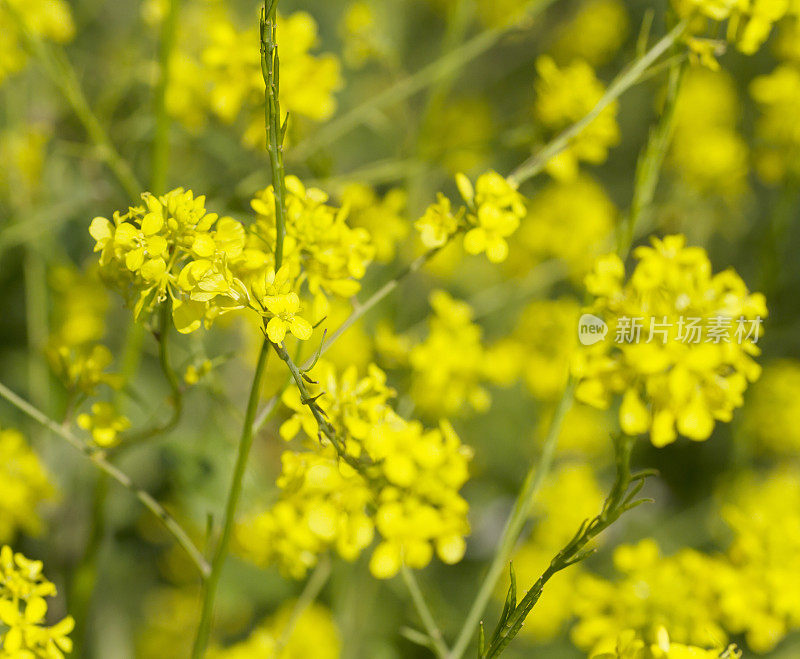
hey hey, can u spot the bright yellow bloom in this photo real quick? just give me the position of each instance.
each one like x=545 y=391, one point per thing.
x=677 y=592
x=629 y=646
x=104 y=423
x=23 y=589
x=216 y=70
x=680 y=342
x=494 y=210
x=438 y=223
x=24 y=486
x=565 y=95
x=46 y=19
x=407 y=490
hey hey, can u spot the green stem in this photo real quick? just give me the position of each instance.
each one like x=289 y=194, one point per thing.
x=99 y=460
x=270 y=69
x=63 y=76
x=624 y=81
x=160 y=157
x=514 y=525
x=434 y=633
x=234 y=494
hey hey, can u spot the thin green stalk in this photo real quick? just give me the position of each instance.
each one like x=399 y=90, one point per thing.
x=441 y=68
x=314 y=585
x=514 y=525
x=624 y=81
x=651 y=160
x=270 y=70
x=234 y=494
x=270 y=67
x=62 y=75
x=159 y=166
x=434 y=633
x=99 y=460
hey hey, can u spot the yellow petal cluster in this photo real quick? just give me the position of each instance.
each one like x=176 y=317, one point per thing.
x=24 y=486
x=407 y=489
x=492 y=213
x=23 y=589
x=564 y=95
x=672 y=380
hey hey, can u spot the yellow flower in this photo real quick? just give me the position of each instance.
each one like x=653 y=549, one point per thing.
x=24 y=486
x=23 y=589
x=594 y=34
x=565 y=95
x=382 y=217
x=495 y=209
x=671 y=375
x=104 y=423
x=437 y=224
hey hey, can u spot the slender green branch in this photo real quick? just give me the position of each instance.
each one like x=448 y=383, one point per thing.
x=434 y=633
x=98 y=458
x=314 y=585
x=234 y=494
x=514 y=524
x=62 y=75
x=444 y=66
x=621 y=499
x=159 y=166
x=624 y=81
x=651 y=160
x=270 y=69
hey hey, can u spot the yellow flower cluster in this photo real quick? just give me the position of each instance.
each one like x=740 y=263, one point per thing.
x=564 y=95
x=22 y=150
x=45 y=19
x=449 y=367
x=216 y=69
x=778 y=97
x=23 y=589
x=314 y=635
x=758 y=588
x=407 y=486
x=771 y=418
x=493 y=212
x=104 y=423
x=669 y=374
x=677 y=592
x=24 y=485
x=708 y=153
x=173 y=249
x=568 y=220
x=749 y=23
x=629 y=646
x=750 y=590
x=320 y=248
